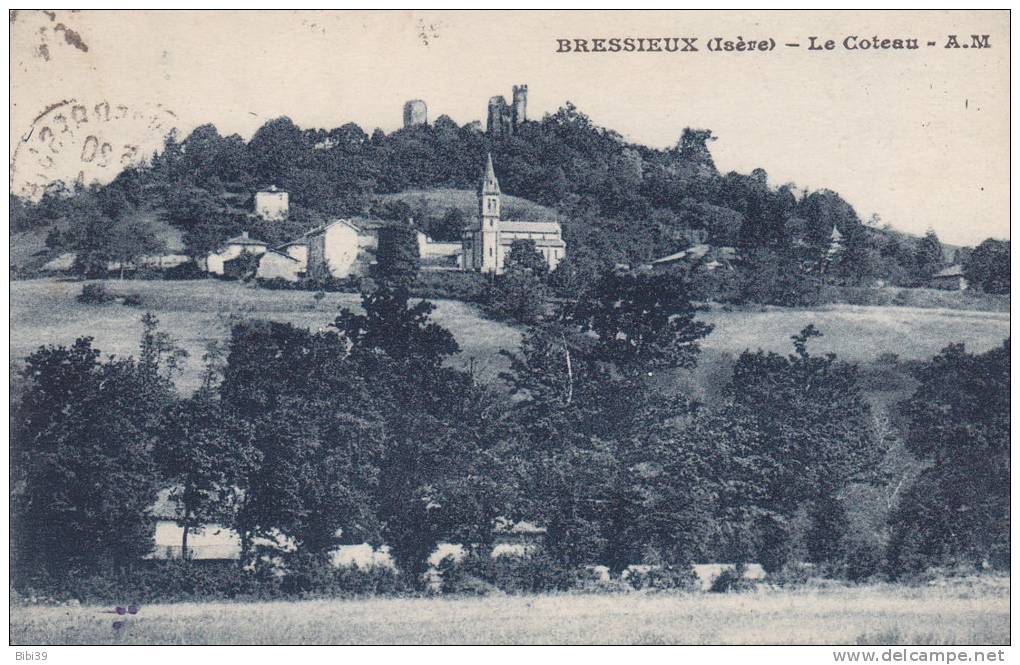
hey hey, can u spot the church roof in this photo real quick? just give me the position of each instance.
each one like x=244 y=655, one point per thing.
x=489 y=183
x=529 y=227
x=539 y=242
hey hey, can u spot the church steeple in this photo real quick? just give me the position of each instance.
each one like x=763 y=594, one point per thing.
x=489 y=183
x=488 y=220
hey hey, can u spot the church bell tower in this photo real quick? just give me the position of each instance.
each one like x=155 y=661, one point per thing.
x=488 y=216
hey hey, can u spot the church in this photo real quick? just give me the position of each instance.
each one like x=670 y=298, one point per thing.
x=487 y=242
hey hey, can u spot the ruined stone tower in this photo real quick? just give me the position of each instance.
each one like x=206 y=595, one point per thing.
x=520 y=105
x=415 y=113
x=499 y=123
x=504 y=119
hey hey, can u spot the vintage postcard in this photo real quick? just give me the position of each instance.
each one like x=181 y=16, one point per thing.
x=511 y=327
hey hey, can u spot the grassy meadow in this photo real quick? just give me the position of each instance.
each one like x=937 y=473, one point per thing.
x=972 y=612
x=44 y=311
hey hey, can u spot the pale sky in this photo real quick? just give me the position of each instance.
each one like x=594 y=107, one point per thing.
x=920 y=137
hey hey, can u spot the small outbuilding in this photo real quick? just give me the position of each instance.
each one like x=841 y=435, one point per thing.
x=950 y=279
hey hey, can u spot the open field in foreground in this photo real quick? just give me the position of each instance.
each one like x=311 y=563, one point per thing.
x=882 y=614
x=196 y=312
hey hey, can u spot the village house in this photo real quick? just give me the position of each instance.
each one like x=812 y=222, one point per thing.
x=437 y=254
x=707 y=256
x=272 y=205
x=950 y=279
x=275 y=264
x=231 y=249
x=486 y=244
x=333 y=250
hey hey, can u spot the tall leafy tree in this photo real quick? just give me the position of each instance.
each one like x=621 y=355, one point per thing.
x=82 y=462
x=315 y=437
x=812 y=434
x=437 y=466
x=987 y=267
x=959 y=509
x=928 y=257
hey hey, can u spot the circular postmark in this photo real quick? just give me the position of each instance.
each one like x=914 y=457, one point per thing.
x=75 y=141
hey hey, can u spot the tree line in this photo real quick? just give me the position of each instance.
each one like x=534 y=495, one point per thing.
x=620 y=202
x=302 y=441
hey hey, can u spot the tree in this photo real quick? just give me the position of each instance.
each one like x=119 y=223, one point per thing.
x=958 y=509
x=642 y=320
x=315 y=435
x=519 y=295
x=811 y=433
x=206 y=454
x=987 y=267
x=397 y=258
x=524 y=255
x=450 y=226
x=131 y=239
x=928 y=258
x=437 y=469
x=83 y=470
x=606 y=474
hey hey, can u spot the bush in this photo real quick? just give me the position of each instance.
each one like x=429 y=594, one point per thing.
x=861 y=561
x=732 y=580
x=533 y=573
x=132 y=300
x=189 y=270
x=465 y=286
x=95 y=294
x=460 y=579
x=176 y=580
x=243 y=267
x=519 y=295
x=662 y=578
x=794 y=574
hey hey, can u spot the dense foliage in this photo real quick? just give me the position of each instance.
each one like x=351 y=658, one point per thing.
x=619 y=202
x=958 y=509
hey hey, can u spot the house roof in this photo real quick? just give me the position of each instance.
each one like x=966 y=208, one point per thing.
x=698 y=252
x=322 y=229
x=243 y=239
x=539 y=242
x=282 y=255
x=292 y=243
x=529 y=227
x=951 y=271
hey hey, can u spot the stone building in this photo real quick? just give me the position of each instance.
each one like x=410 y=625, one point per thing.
x=231 y=249
x=274 y=264
x=272 y=204
x=949 y=279
x=415 y=113
x=486 y=244
x=333 y=250
x=504 y=119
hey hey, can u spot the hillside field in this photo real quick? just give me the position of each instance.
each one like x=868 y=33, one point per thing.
x=45 y=311
x=967 y=612
x=438 y=201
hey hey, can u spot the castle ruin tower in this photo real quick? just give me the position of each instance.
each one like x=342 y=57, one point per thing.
x=498 y=124
x=488 y=217
x=519 y=113
x=415 y=113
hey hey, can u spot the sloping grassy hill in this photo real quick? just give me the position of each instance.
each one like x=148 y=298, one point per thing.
x=29 y=251
x=45 y=311
x=441 y=200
